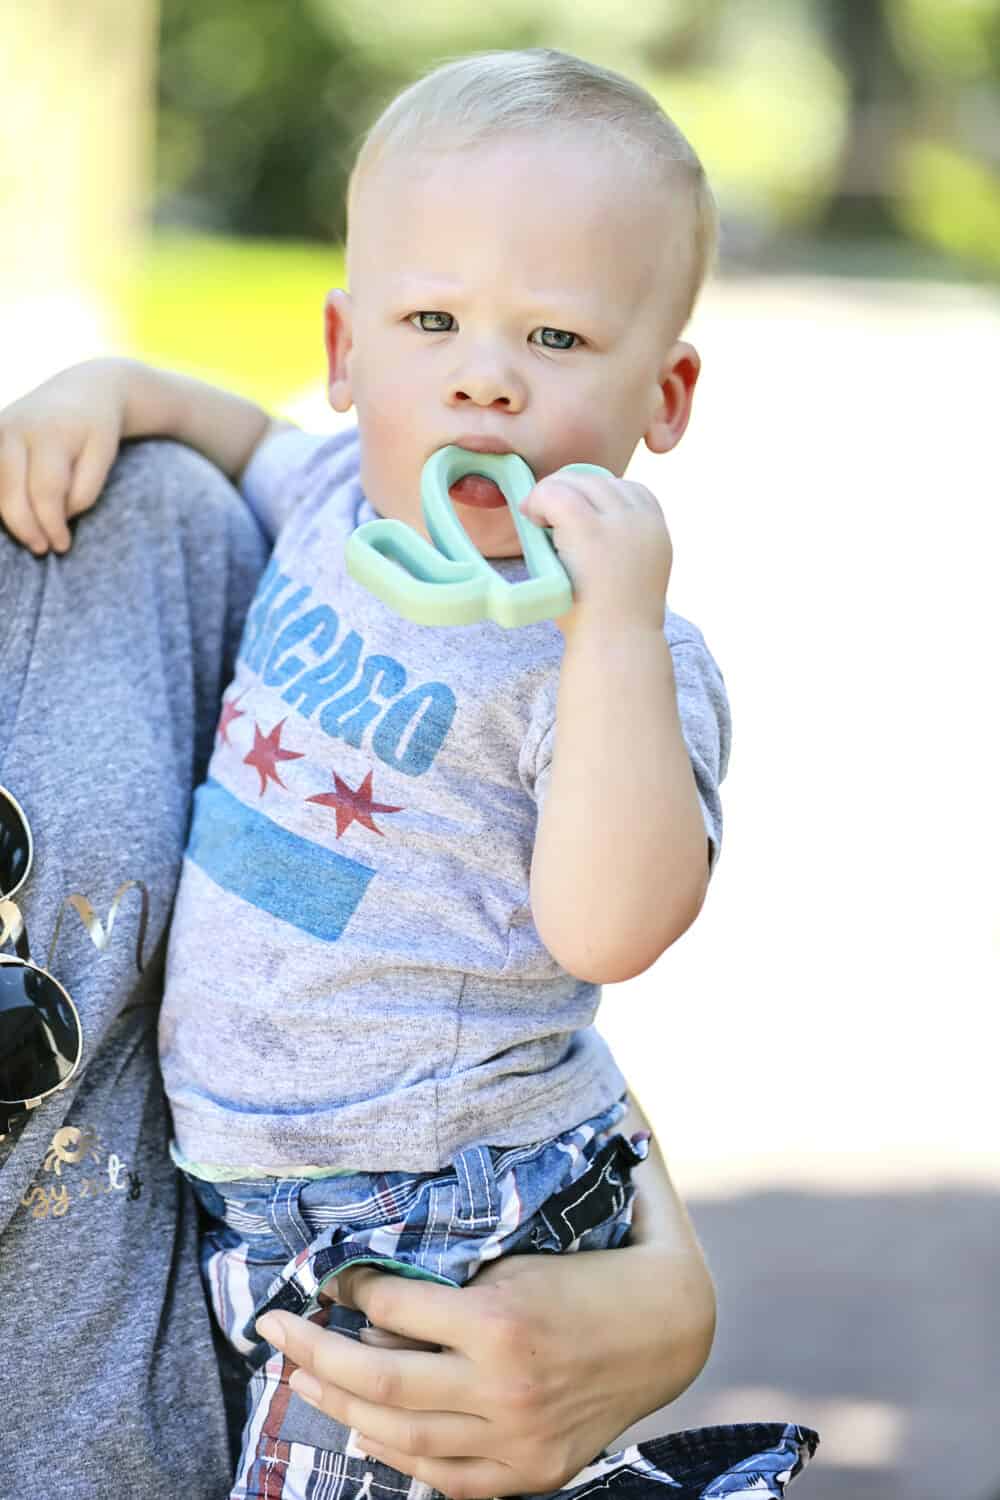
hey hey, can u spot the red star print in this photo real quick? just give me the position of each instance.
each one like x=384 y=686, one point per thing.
x=266 y=753
x=229 y=713
x=351 y=805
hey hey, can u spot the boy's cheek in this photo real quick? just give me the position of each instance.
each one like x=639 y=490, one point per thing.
x=391 y=463
x=578 y=440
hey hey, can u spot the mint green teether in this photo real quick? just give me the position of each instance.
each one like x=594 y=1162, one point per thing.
x=451 y=583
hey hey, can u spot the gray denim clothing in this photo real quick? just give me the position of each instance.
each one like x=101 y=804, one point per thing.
x=112 y=662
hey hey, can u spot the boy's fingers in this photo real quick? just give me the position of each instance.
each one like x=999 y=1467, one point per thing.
x=48 y=493
x=558 y=498
x=20 y=521
x=15 y=508
x=602 y=492
x=12 y=467
x=90 y=472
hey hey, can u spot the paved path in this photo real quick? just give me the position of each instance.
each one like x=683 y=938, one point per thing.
x=835 y=1013
x=873 y=1318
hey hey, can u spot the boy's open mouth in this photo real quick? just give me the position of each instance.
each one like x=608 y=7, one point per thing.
x=476 y=490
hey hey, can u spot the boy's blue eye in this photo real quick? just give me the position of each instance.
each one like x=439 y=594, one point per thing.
x=433 y=322
x=554 y=338
x=443 y=322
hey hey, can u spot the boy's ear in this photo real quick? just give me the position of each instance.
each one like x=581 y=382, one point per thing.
x=677 y=379
x=338 y=324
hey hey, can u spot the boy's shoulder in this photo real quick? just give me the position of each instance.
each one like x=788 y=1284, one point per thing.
x=682 y=632
x=292 y=468
x=696 y=670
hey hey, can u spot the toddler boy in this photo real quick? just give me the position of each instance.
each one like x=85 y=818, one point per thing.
x=420 y=851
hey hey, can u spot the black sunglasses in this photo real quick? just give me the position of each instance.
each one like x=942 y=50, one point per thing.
x=41 y=1040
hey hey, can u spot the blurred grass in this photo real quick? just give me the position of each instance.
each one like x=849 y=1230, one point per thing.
x=246 y=314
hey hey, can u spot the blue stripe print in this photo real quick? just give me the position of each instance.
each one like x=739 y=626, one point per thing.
x=297 y=881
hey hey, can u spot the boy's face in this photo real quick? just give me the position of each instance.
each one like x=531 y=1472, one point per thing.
x=518 y=297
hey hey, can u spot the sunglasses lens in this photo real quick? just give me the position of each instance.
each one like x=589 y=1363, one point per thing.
x=39 y=1034
x=15 y=846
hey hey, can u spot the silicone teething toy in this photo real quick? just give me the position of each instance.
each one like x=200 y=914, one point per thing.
x=451 y=583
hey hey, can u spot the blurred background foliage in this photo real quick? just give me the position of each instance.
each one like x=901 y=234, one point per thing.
x=854 y=135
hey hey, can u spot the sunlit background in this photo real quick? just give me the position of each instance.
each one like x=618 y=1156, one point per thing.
x=819 y=1055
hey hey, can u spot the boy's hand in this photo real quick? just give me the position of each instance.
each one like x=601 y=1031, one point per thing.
x=613 y=541
x=56 y=447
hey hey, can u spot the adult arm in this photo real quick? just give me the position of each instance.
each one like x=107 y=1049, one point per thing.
x=58 y=442
x=543 y=1360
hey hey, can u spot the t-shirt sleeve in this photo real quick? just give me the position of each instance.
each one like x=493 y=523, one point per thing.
x=284 y=469
x=705 y=724
x=705 y=720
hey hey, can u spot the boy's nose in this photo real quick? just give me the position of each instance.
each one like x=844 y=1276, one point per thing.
x=486 y=382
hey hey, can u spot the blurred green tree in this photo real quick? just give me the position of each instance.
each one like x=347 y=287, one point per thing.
x=260 y=106
x=880 y=100
x=922 y=105
x=856 y=118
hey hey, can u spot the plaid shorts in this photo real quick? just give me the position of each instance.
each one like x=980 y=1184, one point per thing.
x=270 y=1244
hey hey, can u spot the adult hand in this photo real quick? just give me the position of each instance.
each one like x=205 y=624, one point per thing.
x=544 y=1360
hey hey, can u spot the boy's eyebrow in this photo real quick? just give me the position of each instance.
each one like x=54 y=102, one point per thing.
x=451 y=287
x=424 y=279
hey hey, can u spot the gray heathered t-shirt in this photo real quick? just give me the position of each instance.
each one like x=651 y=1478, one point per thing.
x=354 y=977
x=112 y=662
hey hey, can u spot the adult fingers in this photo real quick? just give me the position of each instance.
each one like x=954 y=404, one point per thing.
x=417 y=1434
x=381 y=1338
x=422 y=1310
x=459 y=1478
x=386 y=1377
x=48 y=492
x=15 y=506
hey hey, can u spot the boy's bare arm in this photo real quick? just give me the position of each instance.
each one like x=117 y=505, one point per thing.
x=620 y=863
x=58 y=442
x=225 y=427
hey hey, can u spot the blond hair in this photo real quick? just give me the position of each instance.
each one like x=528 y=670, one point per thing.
x=473 y=100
